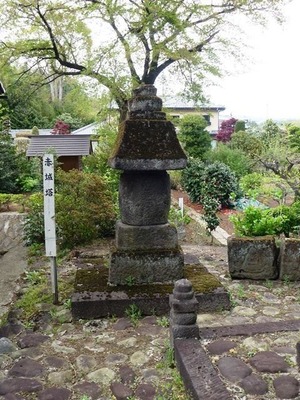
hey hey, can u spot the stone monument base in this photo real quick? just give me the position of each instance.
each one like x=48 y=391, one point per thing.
x=95 y=298
x=147 y=266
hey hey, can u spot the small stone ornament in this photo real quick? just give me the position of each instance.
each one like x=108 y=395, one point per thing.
x=184 y=307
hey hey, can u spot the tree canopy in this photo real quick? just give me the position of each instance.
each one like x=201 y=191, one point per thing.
x=123 y=43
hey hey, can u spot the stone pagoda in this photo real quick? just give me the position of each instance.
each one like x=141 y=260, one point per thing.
x=147 y=248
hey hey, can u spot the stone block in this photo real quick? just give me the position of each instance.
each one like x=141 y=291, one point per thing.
x=184 y=332
x=183 y=306
x=252 y=257
x=145 y=266
x=144 y=197
x=184 y=318
x=289 y=259
x=130 y=237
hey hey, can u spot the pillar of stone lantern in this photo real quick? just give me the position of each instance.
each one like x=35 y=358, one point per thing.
x=147 y=248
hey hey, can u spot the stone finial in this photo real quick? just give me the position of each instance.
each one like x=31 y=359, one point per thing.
x=146 y=140
x=184 y=307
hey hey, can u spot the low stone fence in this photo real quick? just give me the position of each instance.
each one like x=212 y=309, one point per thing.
x=264 y=257
x=11 y=230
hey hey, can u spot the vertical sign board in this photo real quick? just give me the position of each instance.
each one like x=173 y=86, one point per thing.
x=49 y=205
x=49 y=219
x=180 y=203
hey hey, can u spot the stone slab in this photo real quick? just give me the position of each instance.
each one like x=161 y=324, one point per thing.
x=252 y=258
x=145 y=266
x=249 y=329
x=94 y=305
x=200 y=378
x=289 y=259
x=156 y=237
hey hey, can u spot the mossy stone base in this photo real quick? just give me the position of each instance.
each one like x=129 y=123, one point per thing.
x=147 y=266
x=95 y=298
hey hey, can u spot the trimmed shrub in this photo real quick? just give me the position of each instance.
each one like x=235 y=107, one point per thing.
x=84 y=210
x=192 y=178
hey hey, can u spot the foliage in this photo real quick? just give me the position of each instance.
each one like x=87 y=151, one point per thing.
x=192 y=178
x=97 y=162
x=215 y=180
x=8 y=165
x=239 y=126
x=35 y=131
x=36 y=294
x=85 y=210
x=175 y=179
x=7 y=199
x=34 y=221
x=259 y=222
x=61 y=128
x=134 y=314
x=29 y=107
x=294 y=136
x=219 y=183
x=212 y=186
x=177 y=218
x=264 y=187
x=269 y=132
x=188 y=38
x=226 y=130
x=235 y=159
x=210 y=207
x=247 y=143
x=72 y=122
x=281 y=160
x=195 y=138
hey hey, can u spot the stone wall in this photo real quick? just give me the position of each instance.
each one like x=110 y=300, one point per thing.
x=11 y=230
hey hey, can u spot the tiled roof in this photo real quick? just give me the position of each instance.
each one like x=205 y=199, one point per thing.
x=63 y=145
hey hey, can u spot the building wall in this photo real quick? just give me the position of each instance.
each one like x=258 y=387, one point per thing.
x=212 y=114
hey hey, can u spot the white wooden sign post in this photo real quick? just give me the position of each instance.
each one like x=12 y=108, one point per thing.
x=49 y=219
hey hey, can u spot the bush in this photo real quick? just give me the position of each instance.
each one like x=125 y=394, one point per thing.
x=235 y=159
x=220 y=183
x=260 y=222
x=247 y=143
x=215 y=180
x=84 y=210
x=34 y=221
x=192 y=178
x=195 y=138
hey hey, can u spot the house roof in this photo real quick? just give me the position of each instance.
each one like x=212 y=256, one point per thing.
x=87 y=129
x=177 y=104
x=63 y=145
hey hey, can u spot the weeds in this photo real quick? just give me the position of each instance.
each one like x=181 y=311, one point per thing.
x=269 y=284
x=33 y=277
x=163 y=321
x=134 y=314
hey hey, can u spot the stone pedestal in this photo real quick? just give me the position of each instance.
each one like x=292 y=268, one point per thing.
x=147 y=248
x=252 y=257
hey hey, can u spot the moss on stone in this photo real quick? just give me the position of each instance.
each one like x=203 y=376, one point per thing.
x=95 y=279
x=147 y=139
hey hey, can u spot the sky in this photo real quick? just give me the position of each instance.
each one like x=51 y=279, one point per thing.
x=269 y=86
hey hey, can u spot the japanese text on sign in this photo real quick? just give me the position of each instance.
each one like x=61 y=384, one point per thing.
x=49 y=205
